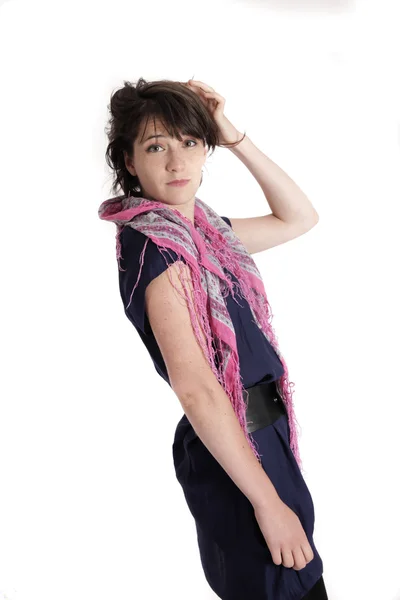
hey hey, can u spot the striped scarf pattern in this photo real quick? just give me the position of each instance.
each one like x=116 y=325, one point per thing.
x=208 y=246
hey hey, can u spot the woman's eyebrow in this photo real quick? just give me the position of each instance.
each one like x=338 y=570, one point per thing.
x=157 y=135
x=153 y=136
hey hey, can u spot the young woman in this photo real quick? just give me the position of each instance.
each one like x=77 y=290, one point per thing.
x=198 y=302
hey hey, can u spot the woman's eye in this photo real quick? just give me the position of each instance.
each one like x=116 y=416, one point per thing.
x=158 y=145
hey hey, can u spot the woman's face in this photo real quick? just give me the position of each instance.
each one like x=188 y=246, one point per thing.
x=159 y=160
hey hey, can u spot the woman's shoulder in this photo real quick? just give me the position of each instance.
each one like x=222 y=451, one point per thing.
x=130 y=235
x=133 y=241
x=227 y=221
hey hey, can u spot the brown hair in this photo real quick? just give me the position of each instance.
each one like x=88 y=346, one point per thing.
x=178 y=108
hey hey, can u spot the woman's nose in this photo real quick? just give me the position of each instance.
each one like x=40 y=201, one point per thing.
x=175 y=160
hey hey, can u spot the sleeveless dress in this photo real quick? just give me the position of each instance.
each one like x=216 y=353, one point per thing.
x=235 y=558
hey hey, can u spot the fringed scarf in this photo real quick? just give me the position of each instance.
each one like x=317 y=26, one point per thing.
x=208 y=246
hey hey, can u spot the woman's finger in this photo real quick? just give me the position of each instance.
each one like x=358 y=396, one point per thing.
x=201 y=84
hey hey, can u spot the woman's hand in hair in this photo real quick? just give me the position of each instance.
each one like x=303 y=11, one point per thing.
x=215 y=105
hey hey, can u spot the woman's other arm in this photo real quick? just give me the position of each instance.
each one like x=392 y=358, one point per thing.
x=203 y=399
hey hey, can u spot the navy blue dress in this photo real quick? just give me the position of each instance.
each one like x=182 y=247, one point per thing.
x=235 y=558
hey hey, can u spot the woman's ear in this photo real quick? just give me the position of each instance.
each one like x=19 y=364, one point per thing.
x=126 y=159
x=129 y=166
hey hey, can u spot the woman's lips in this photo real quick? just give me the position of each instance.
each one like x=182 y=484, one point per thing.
x=179 y=183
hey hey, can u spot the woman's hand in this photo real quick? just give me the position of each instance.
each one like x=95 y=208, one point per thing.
x=284 y=535
x=215 y=105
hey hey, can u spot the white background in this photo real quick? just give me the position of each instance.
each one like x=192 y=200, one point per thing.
x=89 y=504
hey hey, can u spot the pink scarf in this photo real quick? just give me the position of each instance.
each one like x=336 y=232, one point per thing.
x=207 y=247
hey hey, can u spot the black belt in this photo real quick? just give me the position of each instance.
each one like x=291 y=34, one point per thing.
x=265 y=405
